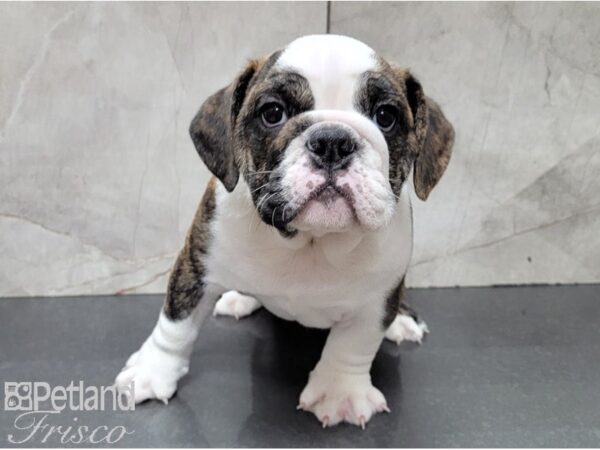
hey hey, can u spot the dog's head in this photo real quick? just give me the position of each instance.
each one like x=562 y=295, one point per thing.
x=324 y=133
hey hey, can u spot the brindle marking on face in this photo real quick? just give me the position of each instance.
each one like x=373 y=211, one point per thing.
x=261 y=148
x=422 y=136
x=212 y=129
x=186 y=283
x=386 y=87
x=268 y=197
x=396 y=304
x=231 y=138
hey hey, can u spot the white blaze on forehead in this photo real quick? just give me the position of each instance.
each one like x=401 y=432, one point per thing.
x=332 y=65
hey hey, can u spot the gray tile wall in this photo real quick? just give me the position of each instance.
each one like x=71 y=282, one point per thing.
x=99 y=181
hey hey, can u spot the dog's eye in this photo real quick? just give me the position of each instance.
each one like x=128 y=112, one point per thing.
x=385 y=117
x=273 y=114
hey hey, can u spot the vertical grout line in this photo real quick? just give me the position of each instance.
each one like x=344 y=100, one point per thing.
x=328 y=24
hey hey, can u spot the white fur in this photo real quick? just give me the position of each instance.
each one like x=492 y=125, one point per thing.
x=340 y=388
x=366 y=178
x=405 y=328
x=164 y=357
x=337 y=281
x=232 y=303
x=334 y=396
x=332 y=65
x=317 y=284
x=161 y=361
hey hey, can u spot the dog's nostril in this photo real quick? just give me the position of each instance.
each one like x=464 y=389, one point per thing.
x=316 y=146
x=346 y=148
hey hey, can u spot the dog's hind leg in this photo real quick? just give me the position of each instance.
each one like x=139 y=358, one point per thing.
x=164 y=357
x=406 y=327
x=232 y=303
x=402 y=322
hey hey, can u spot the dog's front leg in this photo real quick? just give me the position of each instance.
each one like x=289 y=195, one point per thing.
x=339 y=388
x=164 y=357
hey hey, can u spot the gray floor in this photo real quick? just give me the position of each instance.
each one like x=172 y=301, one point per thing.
x=502 y=367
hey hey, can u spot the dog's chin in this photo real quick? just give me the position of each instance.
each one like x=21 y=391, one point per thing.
x=328 y=212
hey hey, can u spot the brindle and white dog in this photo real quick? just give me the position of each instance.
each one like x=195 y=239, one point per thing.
x=313 y=146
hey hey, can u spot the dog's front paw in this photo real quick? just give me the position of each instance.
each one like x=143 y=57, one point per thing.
x=335 y=397
x=154 y=373
x=406 y=328
x=232 y=303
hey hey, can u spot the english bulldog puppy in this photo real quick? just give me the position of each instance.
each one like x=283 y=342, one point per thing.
x=308 y=214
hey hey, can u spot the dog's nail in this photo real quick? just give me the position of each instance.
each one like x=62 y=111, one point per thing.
x=385 y=408
x=325 y=421
x=362 y=422
x=300 y=406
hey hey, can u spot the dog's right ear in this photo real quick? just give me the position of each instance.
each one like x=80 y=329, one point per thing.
x=212 y=127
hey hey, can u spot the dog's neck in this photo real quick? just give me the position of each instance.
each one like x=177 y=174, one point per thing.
x=337 y=246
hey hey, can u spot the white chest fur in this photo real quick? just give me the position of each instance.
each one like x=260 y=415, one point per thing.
x=316 y=281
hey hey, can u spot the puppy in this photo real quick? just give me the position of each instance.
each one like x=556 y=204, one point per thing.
x=308 y=214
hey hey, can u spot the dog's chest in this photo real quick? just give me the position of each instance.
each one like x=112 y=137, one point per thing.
x=317 y=284
x=297 y=285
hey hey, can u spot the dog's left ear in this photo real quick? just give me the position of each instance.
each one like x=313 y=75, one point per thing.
x=435 y=137
x=213 y=126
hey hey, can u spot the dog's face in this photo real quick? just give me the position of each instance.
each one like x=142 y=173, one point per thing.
x=324 y=134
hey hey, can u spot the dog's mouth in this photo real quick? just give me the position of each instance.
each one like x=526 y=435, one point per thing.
x=329 y=207
x=327 y=194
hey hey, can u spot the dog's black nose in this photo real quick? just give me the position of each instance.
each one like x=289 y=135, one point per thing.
x=331 y=146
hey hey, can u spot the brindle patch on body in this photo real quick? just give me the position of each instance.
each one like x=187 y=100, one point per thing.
x=186 y=283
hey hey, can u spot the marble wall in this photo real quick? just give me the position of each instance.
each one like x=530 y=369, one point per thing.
x=521 y=83
x=99 y=180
